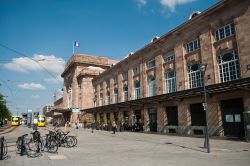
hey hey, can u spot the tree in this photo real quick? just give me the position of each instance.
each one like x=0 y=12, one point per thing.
x=4 y=111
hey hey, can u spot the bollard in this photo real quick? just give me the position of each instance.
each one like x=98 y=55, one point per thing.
x=1 y=150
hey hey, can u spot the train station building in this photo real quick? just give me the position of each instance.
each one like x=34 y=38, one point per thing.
x=160 y=86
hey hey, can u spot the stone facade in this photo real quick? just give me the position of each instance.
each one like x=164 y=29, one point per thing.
x=201 y=40
x=160 y=87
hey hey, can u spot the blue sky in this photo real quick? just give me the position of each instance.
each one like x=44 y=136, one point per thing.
x=44 y=30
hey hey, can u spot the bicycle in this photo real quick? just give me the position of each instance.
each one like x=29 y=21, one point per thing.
x=49 y=143
x=27 y=146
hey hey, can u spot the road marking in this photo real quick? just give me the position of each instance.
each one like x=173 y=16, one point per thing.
x=57 y=157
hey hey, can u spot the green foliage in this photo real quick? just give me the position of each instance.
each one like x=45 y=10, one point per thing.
x=4 y=111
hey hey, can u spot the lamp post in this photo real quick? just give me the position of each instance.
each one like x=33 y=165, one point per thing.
x=206 y=143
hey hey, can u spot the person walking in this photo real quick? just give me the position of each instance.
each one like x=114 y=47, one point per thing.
x=92 y=126
x=113 y=126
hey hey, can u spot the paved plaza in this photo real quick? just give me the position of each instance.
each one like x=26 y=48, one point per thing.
x=102 y=148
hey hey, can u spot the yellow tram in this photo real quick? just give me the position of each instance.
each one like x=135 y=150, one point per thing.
x=15 y=121
x=41 y=121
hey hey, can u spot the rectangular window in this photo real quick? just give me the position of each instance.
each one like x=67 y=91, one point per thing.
x=169 y=56
x=193 y=45
x=125 y=75
x=223 y=32
x=108 y=100
x=195 y=76
x=136 y=70
x=116 y=95
x=125 y=95
x=101 y=99
x=151 y=64
x=170 y=82
x=137 y=93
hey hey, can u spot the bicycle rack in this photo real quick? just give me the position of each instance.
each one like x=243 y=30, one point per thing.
x=2 y=153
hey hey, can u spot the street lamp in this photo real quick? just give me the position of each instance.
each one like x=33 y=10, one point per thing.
x=206 y=143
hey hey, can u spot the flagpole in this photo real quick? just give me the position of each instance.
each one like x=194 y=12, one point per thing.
x=73 y=47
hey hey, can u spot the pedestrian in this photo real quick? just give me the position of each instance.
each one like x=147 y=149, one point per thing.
x=113 y=126
x=76 y=125
x=92 y=127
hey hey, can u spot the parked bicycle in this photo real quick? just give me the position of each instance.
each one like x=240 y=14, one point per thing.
x=27 y=146
x=50 y=143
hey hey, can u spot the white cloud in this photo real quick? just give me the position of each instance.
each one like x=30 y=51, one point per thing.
x=141 y=3
x=35 y=96
x=31 y=86
x=36 y=63
x=56 y=80
x=172 y=3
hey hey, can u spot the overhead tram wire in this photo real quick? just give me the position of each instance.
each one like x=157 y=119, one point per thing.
x=22 y=54
x=11 y=91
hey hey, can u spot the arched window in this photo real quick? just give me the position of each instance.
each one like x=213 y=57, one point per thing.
x=125 y=89
x=137 y=88
x=151 y=86
x=116 y=95
x=195 y=76
x=170 y=82
x=229 y=67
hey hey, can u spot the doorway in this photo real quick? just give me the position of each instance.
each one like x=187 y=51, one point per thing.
x=232 y=117
x=153 y=119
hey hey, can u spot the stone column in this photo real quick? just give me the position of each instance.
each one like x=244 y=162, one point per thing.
x=161 y=113
x=146 y=119
x=242 y=27
x=120 y=88
x=143 y=79
x=159 y=74
x=214 y=117
x=208 y=58
x=180 y=68
x=184 y=119
x=130 y=84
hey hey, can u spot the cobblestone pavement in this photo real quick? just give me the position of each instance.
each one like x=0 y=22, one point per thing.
x=102 y=148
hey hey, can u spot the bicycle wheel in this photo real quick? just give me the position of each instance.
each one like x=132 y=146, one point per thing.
x=52 y=146
x=18 y=145
x=69 y=141
x=5 y=149
x=32 y=149
x=75 y=140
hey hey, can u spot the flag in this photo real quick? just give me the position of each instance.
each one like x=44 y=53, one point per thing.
x=77 y=44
